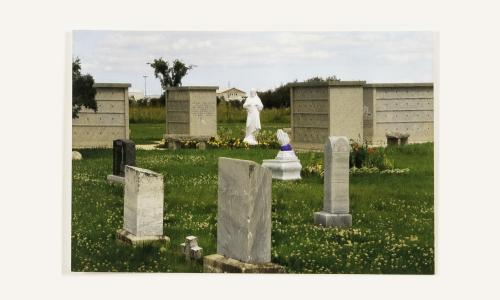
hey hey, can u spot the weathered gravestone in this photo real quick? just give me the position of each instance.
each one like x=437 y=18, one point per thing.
x=336 y=185
x=123 y=155
x=243 y=220
x=143 y=207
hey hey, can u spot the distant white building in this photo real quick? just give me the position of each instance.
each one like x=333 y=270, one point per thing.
x=231 y=94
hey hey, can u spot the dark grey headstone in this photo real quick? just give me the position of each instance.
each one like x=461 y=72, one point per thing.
x=123 y=155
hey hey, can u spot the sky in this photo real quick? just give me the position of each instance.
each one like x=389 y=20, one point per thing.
x=260 y=60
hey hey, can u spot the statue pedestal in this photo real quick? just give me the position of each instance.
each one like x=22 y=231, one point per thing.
x=286 y=166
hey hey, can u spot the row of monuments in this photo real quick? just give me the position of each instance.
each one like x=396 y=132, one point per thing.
x=355 y=109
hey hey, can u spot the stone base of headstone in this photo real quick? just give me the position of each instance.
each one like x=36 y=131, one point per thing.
x=217 y=263
x=283 y=169
x=128 y=238
x=114 y=179
x=327 y=219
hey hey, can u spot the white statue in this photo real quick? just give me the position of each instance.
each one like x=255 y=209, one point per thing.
x=253 y=106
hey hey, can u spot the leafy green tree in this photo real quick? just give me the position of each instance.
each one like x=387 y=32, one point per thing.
x=170 y=74
x=83 y=90
x=321 y=79
x=276 y=98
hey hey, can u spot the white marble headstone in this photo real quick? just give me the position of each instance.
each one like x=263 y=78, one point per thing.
x=244 y=211
x=336 y=180
x=336 y=184
x=143 y=205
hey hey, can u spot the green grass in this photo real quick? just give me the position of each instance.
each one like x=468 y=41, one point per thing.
x=230 y=114
x=225 y=114
x=392 y=231
x=146 y=114
x=146 y=133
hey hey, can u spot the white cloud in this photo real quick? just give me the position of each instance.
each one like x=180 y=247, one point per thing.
x=272 y=57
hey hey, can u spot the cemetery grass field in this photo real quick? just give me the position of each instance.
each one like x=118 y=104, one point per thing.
x=393 y=215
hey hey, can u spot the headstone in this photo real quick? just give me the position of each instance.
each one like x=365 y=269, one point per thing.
x=123 y=155
x=336 y=185
x=286 y=165
x=143 y=207
x=243 y=219
x=191 y=249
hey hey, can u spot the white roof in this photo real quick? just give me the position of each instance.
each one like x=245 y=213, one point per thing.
x=228 y=89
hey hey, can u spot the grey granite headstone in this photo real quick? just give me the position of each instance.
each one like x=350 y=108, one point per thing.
x=123 y=155
x=244 y=211
x=336 y=184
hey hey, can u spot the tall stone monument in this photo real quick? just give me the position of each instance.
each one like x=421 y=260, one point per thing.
x=398 y=112
x=336 y=185
x=98 y=129
x=143 y=208
x=323 y=109
x=191 y=114
x=123 y=155
x=243 y=220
